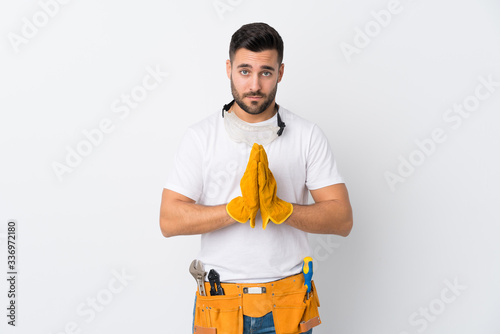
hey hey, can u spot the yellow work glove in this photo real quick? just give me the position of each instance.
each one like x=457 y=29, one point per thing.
x=245 y=207
x=271 y=207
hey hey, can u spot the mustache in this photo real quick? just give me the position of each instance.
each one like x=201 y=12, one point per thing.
x=254 y=94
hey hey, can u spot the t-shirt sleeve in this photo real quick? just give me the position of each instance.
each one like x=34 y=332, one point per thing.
x=321 y=166
x=186 y=175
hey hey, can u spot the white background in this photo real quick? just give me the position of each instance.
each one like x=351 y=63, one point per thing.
x=75 y=234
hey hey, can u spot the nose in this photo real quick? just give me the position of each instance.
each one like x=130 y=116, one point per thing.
x=254 y=84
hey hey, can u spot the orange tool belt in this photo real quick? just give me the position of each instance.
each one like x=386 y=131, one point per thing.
x=293 y=312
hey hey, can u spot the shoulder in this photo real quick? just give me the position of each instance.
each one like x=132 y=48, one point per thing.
x=197 y=134
x=296 y=123
x=205 y=128
x=207 y=123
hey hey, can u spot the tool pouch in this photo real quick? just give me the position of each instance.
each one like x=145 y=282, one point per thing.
x=293 y=313
x=218 y=314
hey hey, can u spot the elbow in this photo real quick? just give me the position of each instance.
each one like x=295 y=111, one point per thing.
x=342 y=220
x=166 y=227
x=346 y=229
x=171 y=215
x=348 y=223
x=346 y=226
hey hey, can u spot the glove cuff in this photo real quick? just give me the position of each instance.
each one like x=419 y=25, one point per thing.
x=236 y=210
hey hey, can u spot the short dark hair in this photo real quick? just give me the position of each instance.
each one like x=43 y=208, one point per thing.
x=256 y=37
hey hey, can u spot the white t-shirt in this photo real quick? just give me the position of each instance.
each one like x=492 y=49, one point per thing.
x=208 y=169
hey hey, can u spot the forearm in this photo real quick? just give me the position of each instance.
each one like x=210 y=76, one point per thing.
x=327 y=217
x=182 y=218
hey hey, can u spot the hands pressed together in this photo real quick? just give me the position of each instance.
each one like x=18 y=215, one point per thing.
x=258 y=190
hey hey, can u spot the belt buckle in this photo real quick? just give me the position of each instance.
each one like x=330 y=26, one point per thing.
x=256 y=290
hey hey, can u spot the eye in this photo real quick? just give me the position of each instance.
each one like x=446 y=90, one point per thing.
x=267 y=74
x=244 y=72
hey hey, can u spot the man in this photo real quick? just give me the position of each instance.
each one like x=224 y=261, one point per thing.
x=257 y=160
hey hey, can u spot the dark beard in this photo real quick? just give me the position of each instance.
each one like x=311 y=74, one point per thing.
x=248 y=109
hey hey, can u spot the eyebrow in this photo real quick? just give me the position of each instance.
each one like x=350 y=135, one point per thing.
x=264 y=67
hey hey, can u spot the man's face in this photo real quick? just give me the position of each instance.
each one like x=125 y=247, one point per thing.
x=254 y=79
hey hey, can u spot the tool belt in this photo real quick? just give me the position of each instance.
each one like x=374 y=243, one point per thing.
x=293 y=312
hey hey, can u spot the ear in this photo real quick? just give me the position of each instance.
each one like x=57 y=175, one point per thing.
x=281 y=71
x=228 y=68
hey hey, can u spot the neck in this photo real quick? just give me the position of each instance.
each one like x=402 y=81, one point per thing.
x=250 y=118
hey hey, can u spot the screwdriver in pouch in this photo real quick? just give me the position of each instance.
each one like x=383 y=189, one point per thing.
x=307 y=270
x=215 y=287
